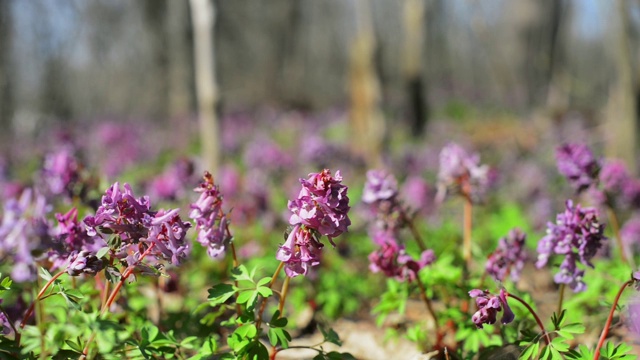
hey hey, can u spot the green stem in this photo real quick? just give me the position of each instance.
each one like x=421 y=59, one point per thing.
x=413 y=229
x=427 y=302
x=544 y=332
x=32 y=307
x=607 y=325
x=264 y=301
x=466 y=243
x=113 y=295
x=615 y=226
x=561 y=299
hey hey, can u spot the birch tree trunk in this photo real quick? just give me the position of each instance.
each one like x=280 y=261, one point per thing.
x=203 y=17
x=367 y=124
x=621 y=128
x=414 y=35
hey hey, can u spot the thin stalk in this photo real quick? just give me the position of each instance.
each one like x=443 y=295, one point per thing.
x=466 y=243
x=413 y=229
x=235 y=265
x=427 y=302
x=29 y=312
x=13 y=327
x=264 y=301
x=113 y=295
x=607 y=325
x=283 y=298
x=283 y=295
x=561 y=299
x=615 y=226
x=544 y=332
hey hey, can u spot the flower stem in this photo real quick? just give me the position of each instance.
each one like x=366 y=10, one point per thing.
x=264 y=301
x=283 y=295
x=615 y=226
x=544 y=332
x=561 y=299
x=607 y=325
x=113 y=295
x=32 y=307
x=235 y=265
x=413 y=229
x=427 y=302
x=466 y=243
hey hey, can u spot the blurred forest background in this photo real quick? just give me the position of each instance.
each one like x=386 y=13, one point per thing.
x=75 y=61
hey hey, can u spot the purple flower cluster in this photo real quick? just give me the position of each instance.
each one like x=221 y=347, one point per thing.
x=322 y=204
x=509 y=257
x=321 y=208
x=70 y=238
x=161 y=234
x=489 y=306
x=392 y=259
x=461 y=173
x=578 y=235
x=171 y=183
x=25 y=232
x=212 y=223
x=380 y=186
x=61 y=171
x=577 y=163
x=630 y=233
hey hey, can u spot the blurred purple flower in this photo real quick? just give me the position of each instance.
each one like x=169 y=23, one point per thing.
x=577 y=163
x=509 y=257
x=229 y=181
x=24 y=232
x=462 y=173
x=613 y=176
x=577 y=235
x=60 y=172
x=212 y=224
x=489 y=306
x=380 y=185
x=5 y=325
x=630 y=233
x=631 y=193
x=417 y=194
x=265 y=154
x=392 y=260
x=322 y=204
x=171 y=183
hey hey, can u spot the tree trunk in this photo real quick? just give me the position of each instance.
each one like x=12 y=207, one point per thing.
x=621 y=110
x=203 y=15
x=414 y=37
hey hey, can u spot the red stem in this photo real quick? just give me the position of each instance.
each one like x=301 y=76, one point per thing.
x=607 y=325
x=544 y=332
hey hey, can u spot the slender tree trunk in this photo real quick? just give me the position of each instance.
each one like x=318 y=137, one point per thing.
x=6 y=68
x=203 y=15
x=367 y=124
x=621 y=109
x=414 y=35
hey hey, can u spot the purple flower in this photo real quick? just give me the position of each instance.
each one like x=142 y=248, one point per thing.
x=392 y=260
x=489 y=306
x=265 y=154
x=380 y=186
x=84 y=262
x=577 y=235
x=25 y=232
x=630 y=232
x=212 y=224
x=171 y=183
x=613 y=176
x=168 y=233
x=61 y=171
x=417 y=194
x=509 y=257
x=320 y=209
x=462 y=173
x=300 y=251
x=5 y=324
x=322 y=204
x=631 y=193
x=577 y=163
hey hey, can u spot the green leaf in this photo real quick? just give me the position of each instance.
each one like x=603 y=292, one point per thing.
x=220 y=293
x=330 y=336
x=279 y=336
x=46 y=275
x=264 y=291
x=74 y=346
x=102 y=252
x=240 y=273
x=244 y=296
x=277 y=321
x=264 y=281
x=575 y=328
x=530 y=352
x=6 y=283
